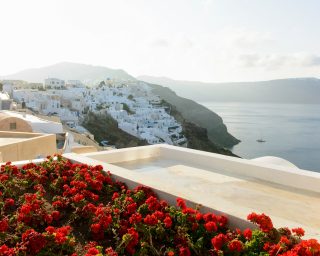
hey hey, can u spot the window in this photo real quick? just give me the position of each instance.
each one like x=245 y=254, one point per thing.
x=13 y=126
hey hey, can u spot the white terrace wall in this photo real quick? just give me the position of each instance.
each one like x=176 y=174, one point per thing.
x=31 y=146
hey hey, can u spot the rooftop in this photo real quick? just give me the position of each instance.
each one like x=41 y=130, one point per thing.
x=4 y=96
x=24 y=116
x=6 y=141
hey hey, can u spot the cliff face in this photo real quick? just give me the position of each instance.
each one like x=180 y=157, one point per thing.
x=199 y=115
x=104 y=127
x=197 y=136
x=198 y=139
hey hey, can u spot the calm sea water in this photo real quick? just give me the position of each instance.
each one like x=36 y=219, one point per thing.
x=291 y=131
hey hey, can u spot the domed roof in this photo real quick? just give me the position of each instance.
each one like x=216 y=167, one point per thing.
x=275 y=160
x=3 y=116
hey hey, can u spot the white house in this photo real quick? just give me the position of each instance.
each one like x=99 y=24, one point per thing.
x=8 y=88
x=54 y=83
x=74 y=84
x=37 y=124
x=5 y=101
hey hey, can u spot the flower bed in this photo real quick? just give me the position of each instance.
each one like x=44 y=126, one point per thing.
x=61 y=208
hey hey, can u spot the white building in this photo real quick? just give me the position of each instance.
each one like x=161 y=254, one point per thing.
x=5 y=101
x=37 y=124
x=54 y=83
x=74 y=84
x=8 y=88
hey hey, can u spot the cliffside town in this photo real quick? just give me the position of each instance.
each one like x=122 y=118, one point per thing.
x=132 y=104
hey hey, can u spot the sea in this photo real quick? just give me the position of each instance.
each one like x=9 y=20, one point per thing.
x=290 y=131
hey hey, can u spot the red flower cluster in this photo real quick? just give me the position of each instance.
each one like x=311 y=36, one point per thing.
x=33 y=241
x=62 y=208
x=262 y=220
x=60 y=234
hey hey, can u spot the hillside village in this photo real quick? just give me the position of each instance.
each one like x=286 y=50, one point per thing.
x=137 y=110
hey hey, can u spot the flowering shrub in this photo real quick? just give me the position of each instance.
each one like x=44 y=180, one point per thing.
x=61 y=208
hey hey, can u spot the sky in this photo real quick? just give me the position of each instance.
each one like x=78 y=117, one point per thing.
x=202 y=40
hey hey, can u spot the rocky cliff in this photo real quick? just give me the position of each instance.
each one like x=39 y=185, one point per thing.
x=201 y=116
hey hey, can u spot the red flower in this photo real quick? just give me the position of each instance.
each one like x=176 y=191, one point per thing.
x=247 y=233
x=25 y=209
x=9 y=202
x=150 y=220
x=284 y=240
x=131 y=208
x=115 y=196
x=198 y=216
x=50 y=229
x=218 y=241
x=184 y=251
x=135 y=218
x=4 y=177
x=6 y=251
x=78 y=198
x=134 y=240
x=181 y=203
x=92 y=252
x=211 y=226
x=55 y=215
x=167 y=222
x=33 y=241
x=61 y=234
x=159 y=215
x=223 y=221
x=4 y=225
x=188 y=210
x=60 y=238
x=235 y=245
x=110 y=252
x=48 y=218
x=57 y=204
x=298 y=231
x=152 y=203
x=209 y=217
x=95 y=228
x=262 y=220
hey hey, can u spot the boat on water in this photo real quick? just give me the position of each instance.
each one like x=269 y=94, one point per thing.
x=261 y=140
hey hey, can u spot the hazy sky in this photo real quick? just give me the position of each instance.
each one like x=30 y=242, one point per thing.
x=206 y=40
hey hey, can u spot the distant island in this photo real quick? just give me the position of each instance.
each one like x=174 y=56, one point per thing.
x=69 y=71
x=291 y=90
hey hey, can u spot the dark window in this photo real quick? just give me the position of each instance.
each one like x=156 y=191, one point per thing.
x=13 y=126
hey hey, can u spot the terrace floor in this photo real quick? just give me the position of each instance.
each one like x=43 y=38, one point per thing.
x=232 y=194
